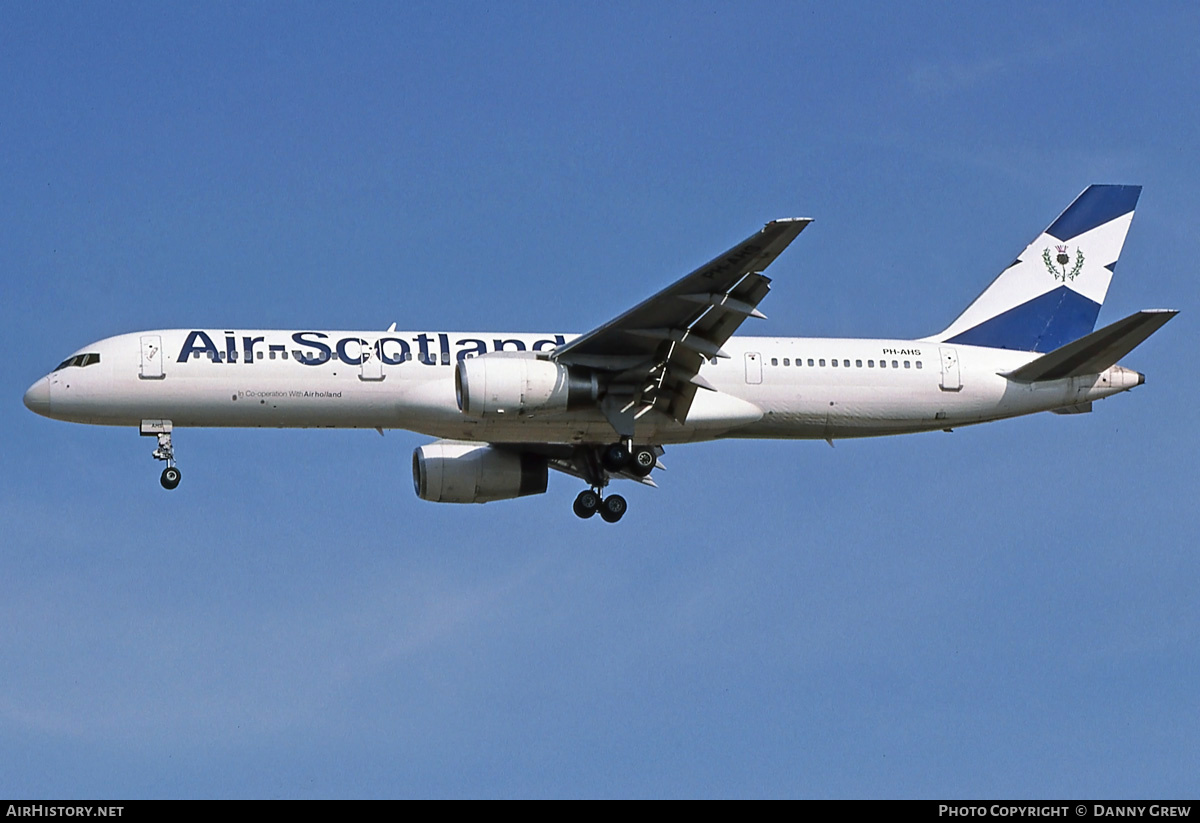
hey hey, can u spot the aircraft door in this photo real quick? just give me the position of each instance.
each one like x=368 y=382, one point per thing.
x=372 y=364
x=951 y=378
x=151 y=365
x=753 y=367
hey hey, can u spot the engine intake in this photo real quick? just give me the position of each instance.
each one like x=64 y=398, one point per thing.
x=448 y=472
x=512 y=383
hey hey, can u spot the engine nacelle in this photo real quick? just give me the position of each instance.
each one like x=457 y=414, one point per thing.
x=518 y=383
x=447 y=472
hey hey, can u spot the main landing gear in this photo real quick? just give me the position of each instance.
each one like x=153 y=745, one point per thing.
x=611 y=508
x=165 y=451
x=598 y=465
x=638 y=461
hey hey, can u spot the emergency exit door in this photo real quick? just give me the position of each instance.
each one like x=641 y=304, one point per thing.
x=753 y=367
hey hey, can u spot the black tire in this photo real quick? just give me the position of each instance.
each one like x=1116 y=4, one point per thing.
x=615 y=458
x=586 y=504
x=613 y=508
x=170 y=477
x=642 y=462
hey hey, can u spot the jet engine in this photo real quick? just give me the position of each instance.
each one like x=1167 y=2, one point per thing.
x=450 y=472
x=517 y=383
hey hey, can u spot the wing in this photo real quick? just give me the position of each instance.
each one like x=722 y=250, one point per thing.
x=652 y=353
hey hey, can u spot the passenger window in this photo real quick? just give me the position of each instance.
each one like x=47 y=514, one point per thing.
x=787 y=361
x=272 y=355
x=846 y=363
x=870 y=364
x=259 y=355
x=858 y=364
x=833 y=363
x=283 y=354
x=895 y=364
x=810 y=362
x=822 y=362
x=907 y=364
x=774 y=361
x=883 y=364
x=918 y=364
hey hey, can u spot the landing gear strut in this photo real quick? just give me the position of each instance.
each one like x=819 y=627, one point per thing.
x=166 y=450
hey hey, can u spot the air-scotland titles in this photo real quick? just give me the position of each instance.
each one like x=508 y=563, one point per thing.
x=313 y=348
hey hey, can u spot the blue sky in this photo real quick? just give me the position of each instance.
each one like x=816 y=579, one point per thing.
x=1008 y=610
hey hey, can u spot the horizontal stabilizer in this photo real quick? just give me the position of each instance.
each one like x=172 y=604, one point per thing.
x=1095 y=352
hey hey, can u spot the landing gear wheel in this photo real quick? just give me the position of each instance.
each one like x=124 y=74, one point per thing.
x=615 y=458
x=586 y=504
x=643 y=461
x=613 y=508
x=170 y=477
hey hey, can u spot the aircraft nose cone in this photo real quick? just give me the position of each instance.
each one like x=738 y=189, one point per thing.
x=37 y=399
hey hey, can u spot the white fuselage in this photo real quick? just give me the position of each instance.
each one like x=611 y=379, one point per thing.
x=768 y=387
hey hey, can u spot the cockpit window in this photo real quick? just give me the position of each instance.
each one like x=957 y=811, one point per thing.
x=79 y=360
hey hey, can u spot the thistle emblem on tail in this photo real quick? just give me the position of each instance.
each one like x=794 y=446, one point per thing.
x=1057 y=265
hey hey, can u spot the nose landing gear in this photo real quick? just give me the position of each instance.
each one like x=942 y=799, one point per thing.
x=165 y=451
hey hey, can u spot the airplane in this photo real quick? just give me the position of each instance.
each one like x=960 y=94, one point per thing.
x=506 y=408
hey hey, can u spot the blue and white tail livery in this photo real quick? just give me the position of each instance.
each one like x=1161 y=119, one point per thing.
x=1051 y=295
x=508 y=407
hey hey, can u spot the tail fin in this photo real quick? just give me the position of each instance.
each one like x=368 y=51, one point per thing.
x=1051 y=294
